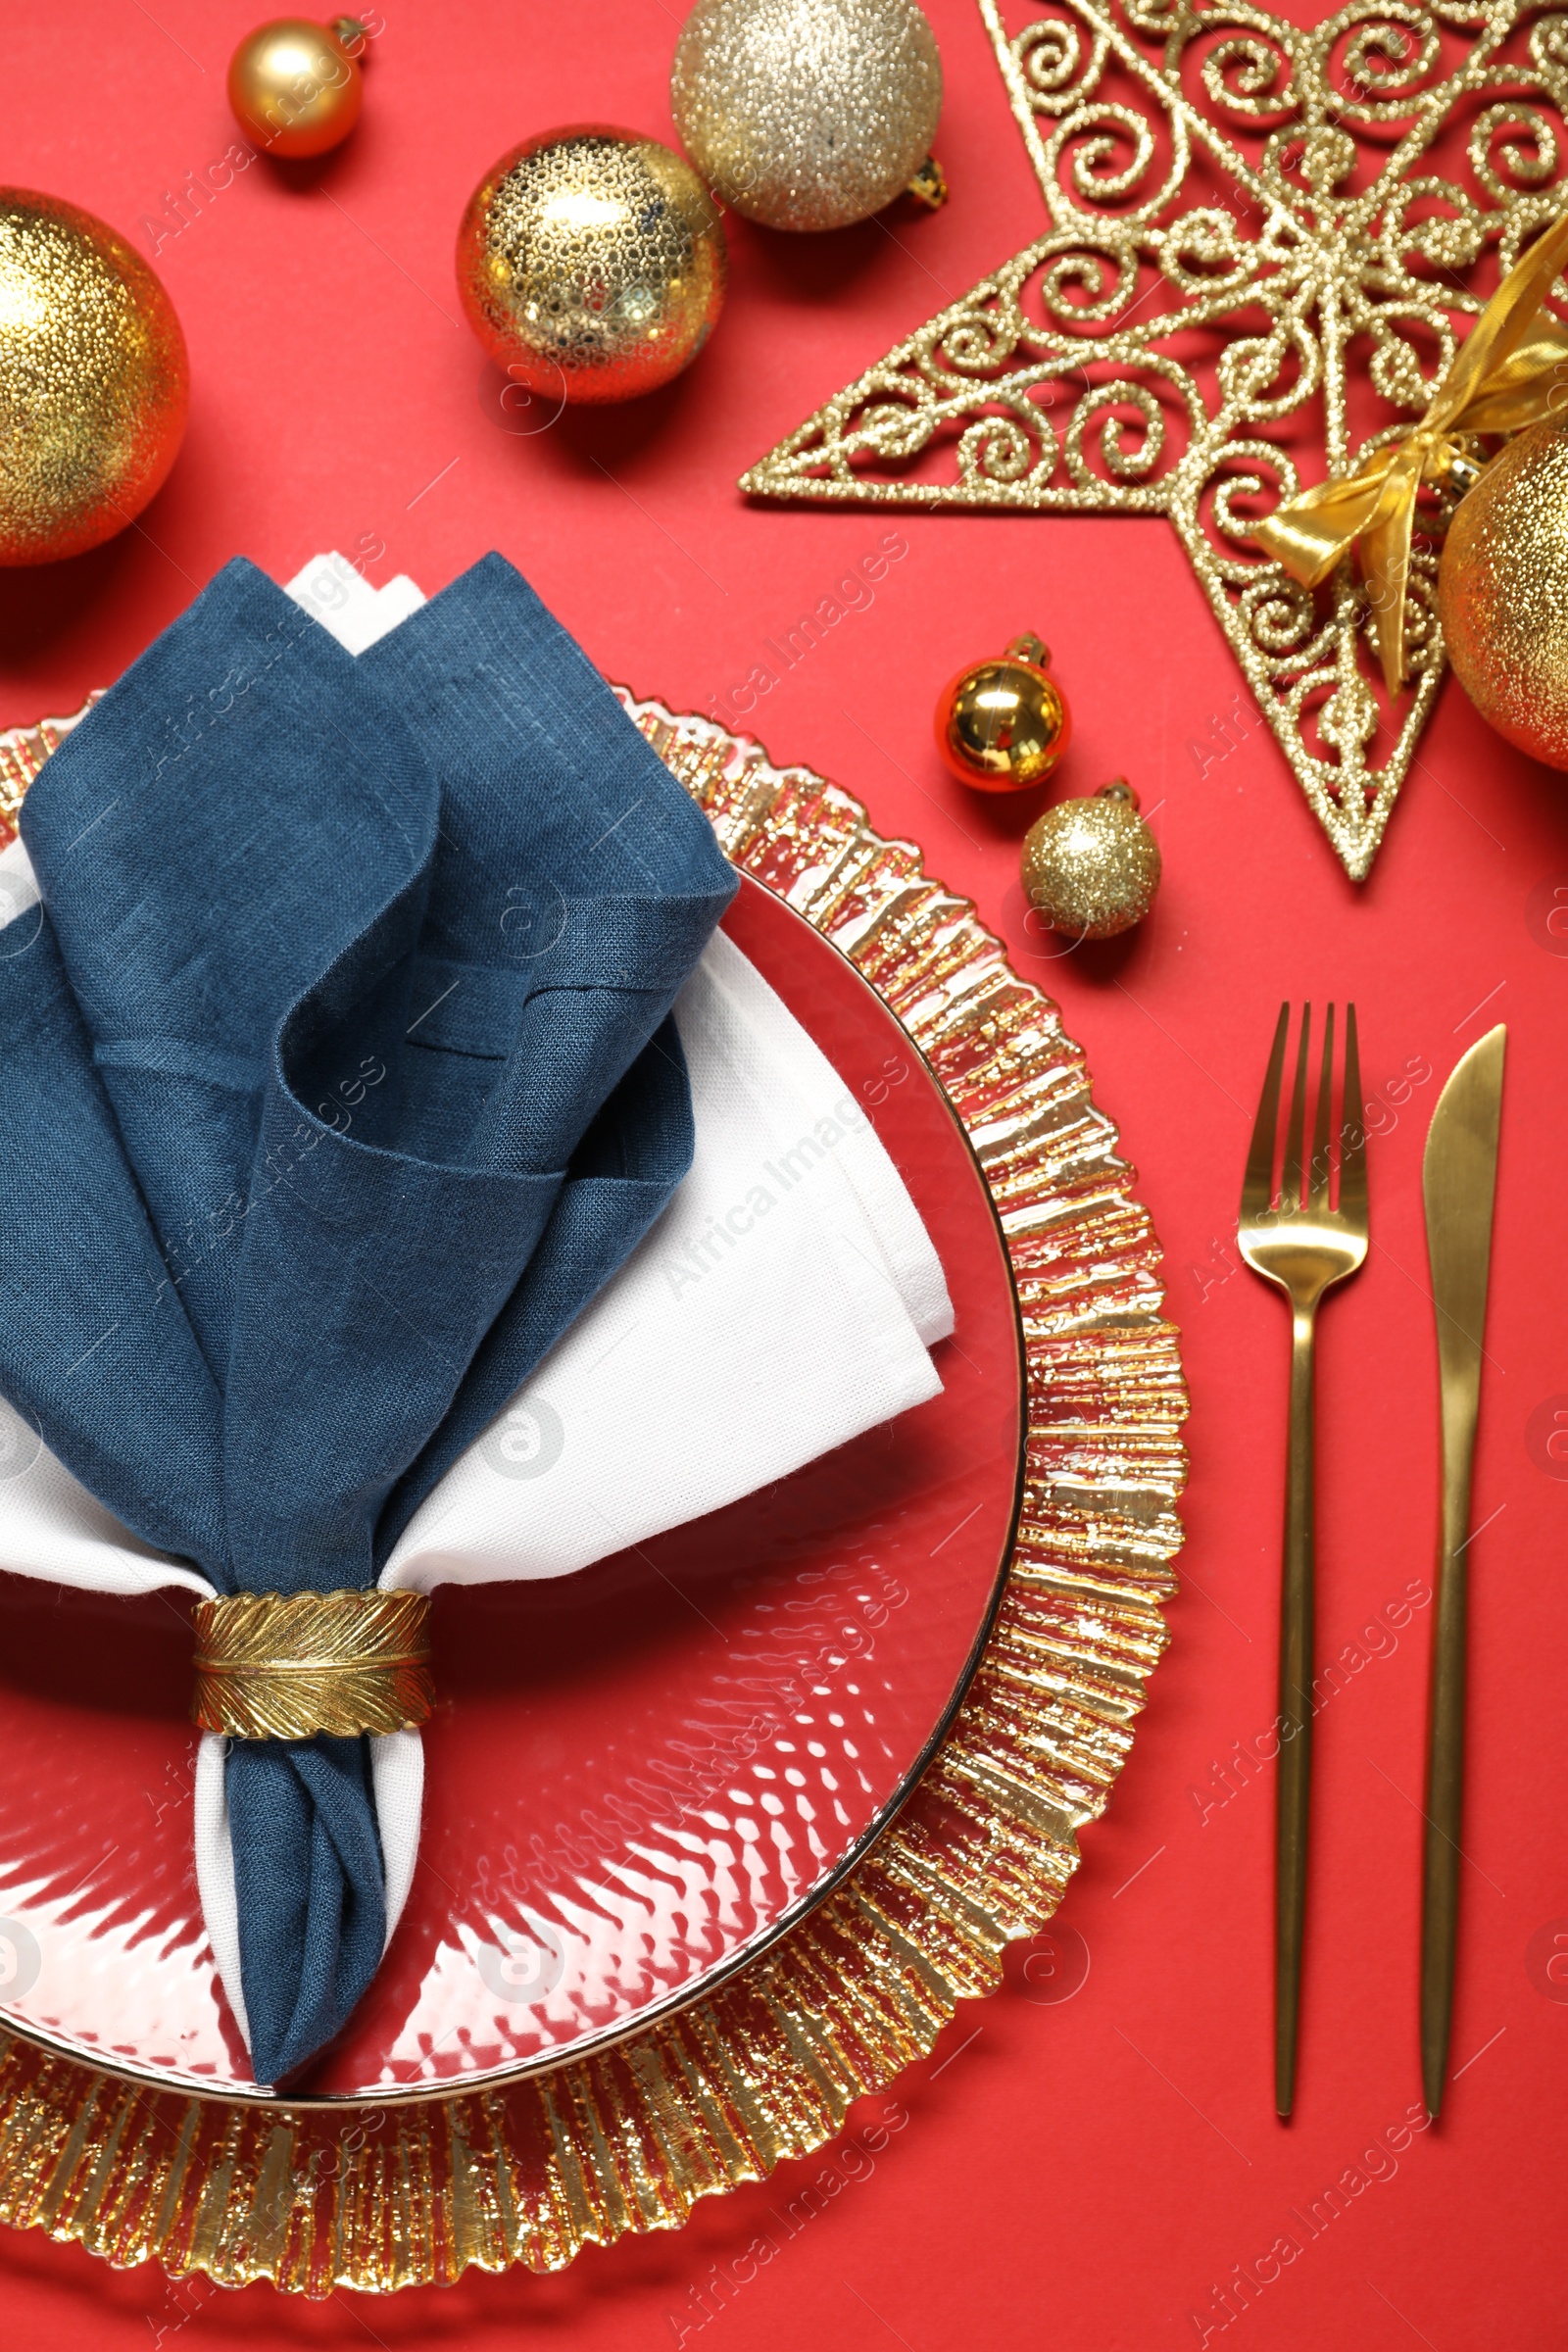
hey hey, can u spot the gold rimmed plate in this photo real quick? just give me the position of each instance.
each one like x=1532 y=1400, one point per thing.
x=742 y=1970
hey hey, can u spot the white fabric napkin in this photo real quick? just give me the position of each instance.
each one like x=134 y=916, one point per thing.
x=782 y=1304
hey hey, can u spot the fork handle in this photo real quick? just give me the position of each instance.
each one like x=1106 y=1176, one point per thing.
x=1294 y=1785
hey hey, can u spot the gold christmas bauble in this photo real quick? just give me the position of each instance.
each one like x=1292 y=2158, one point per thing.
x=294 y=87
x=806 y=114
x=1091 y=868
x=1502 y=592
x=1003 y=725
x=591 y=263
x=93 y=381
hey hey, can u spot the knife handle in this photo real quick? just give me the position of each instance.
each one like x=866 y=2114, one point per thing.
x=1292 y=1788
x=1444 y=1792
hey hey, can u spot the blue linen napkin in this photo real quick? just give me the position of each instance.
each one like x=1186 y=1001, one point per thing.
x=336 y=1075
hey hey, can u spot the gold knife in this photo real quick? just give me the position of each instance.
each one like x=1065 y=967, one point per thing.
x=1458 y=1177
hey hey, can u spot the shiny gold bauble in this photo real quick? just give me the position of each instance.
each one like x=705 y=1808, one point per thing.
x=93 y=381
x=806 y=114
x=1001 y=725
x=1502 y=592
x=294 y=87
x=1091 y=868
x=591 y=263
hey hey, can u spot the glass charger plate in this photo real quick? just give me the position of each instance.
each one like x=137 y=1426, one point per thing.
x=664 y=1918
x=636 y=1776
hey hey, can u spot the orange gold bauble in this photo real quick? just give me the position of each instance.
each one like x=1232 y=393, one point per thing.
x=294 y=86
x=1001 y=725
x=93 y=381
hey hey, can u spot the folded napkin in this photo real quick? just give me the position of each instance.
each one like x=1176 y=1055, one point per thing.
x=338 y=1080
x=782 y=1304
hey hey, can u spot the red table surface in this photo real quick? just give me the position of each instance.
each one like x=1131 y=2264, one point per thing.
x=1084 y=2172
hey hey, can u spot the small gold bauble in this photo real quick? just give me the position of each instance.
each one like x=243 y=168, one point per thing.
x=1003 y=725
x=1091 y=868
x=1502 y=592
x=807 y=114
x=93 y=381
x=294 y=86
x=591 y=263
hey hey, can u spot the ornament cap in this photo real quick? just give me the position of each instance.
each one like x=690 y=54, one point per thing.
x=1027 y=646
x=1119 y=789
x=929 y=186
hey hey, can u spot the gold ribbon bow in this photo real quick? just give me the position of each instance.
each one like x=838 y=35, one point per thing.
x=1504 y=376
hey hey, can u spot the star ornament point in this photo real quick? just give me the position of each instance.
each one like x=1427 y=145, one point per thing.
x=1262 y=246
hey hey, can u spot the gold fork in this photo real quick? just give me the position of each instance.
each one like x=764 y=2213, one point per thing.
x=1305 y=1246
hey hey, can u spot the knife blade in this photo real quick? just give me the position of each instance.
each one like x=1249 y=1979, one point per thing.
x=1458 y=1181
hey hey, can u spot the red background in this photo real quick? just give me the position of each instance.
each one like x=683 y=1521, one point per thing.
x=1081 y=2172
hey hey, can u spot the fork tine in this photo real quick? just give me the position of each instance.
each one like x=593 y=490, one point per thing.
x=1258 y=1184
x=1353 y=1134
x=1317 y=1175
x=1290 y=1172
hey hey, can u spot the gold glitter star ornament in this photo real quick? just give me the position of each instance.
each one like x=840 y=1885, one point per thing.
x=1264 y=246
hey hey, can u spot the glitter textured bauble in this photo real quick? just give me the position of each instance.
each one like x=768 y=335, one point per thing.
x=591 y=263
x=93 y=381
x=1003 y=725
x=1502 y=592
x=806 y=114
x=294 y=88
x=1091 y=868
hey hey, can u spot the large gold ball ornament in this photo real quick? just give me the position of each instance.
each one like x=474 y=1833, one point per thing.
x=94 y=380
x=806 y=114
x=295 y=87
x=591 y=263
x=1091 y=868
x=1003 y=725
x=1502 y=592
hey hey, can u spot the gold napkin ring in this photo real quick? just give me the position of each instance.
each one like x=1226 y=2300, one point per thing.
x=277 y=1666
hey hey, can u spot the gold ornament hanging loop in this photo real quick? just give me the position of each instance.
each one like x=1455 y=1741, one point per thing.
x=277 y=1666
x=1509 y=371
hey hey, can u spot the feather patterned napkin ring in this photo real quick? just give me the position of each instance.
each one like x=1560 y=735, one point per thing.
x=277 y=1666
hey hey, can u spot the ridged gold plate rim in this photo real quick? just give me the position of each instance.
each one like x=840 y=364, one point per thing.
x=766 y=2066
